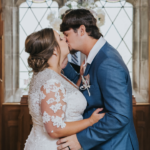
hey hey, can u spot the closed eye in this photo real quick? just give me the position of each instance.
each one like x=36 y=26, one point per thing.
x=60 y=38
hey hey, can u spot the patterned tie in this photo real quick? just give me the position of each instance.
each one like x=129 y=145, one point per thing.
x=75 y=59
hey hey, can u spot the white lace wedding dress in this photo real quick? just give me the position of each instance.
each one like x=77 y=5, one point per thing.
x=52 y=102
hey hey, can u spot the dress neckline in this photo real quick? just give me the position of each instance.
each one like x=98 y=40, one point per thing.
x=65 y=78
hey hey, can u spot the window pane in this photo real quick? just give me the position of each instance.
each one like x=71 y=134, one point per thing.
x=118 y=28
x=32 y=17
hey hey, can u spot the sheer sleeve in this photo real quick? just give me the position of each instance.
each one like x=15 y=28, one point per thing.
x=53 y=105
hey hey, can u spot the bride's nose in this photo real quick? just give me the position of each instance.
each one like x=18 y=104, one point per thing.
x=65 y=38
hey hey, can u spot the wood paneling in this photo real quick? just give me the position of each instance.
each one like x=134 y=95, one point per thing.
x=17 y=124
x=141 y=114
x=10 y=115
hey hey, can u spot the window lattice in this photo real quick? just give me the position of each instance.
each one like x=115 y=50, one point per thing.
x=32 y=17
x=117 y=29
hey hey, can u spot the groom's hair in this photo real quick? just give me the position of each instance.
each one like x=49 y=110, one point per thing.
x=73 y=19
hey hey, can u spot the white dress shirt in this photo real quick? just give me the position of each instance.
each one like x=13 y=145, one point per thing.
x=96 y=48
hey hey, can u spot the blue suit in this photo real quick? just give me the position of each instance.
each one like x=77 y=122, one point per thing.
x=110 y=89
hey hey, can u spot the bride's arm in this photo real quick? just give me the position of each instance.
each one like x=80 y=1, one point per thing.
x=53 y=107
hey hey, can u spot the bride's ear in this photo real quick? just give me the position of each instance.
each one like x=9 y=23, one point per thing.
x=55 y=52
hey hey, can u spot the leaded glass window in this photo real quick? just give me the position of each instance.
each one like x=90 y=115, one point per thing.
x=32 y=17
x=118 y=28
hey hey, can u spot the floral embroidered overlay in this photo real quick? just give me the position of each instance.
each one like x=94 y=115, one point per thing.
x=51 y=100
x=58 y=121
x=42 y=96
x=47 y=88
x=55 y=99
x=64 y=108
x=56 y=107
x=46 y=117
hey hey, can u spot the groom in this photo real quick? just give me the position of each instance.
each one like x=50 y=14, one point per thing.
x=110 y=88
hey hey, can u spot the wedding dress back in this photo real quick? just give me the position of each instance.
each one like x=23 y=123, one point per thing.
x=72 y=106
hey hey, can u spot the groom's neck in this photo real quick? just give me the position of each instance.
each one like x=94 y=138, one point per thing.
x=88 y=45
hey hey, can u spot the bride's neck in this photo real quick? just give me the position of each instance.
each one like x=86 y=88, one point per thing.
x=55 y=64
x=56 y=69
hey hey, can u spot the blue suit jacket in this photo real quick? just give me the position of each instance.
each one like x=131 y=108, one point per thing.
x=110 y=89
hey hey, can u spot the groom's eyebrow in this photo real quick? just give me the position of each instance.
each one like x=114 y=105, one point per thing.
x=64 y=33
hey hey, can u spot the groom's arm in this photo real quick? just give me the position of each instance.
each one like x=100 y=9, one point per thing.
x=112 y=80
x=70 y=73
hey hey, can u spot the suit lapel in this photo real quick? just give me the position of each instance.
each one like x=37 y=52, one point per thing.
x=96 y=59
x=87 y=69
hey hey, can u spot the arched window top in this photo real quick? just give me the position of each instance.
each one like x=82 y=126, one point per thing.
x=47 y=4
x=105 y=3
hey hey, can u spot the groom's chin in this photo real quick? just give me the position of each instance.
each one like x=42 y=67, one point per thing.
x=73 y=51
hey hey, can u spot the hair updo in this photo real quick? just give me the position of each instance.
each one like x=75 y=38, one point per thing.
x=40 y=45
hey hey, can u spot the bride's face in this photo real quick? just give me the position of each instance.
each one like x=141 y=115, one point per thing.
x=62 y=44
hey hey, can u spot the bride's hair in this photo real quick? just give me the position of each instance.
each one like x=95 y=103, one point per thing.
x=40 y=45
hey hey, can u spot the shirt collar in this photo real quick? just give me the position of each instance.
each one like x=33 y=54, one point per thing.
x=96 y=48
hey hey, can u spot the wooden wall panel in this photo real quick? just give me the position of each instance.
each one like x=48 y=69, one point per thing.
x=16 y=126
x=10 y=115
x=141 y=114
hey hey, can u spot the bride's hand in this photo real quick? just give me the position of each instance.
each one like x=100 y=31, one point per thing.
x=95 y=117
x=64 y=63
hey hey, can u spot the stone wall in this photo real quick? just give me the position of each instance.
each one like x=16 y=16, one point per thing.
x=11 y=33
x=140 y=50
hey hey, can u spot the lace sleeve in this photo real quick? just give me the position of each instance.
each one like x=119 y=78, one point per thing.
x=53 y=105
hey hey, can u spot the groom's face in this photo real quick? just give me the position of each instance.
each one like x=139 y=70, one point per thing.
x=72 y=38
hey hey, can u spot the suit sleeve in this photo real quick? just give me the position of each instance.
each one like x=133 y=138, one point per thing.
x=70 y=73
x=112 y=80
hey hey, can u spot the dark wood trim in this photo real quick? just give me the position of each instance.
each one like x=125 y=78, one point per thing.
x=16 y=123
x=141 y=113
x=24 y=100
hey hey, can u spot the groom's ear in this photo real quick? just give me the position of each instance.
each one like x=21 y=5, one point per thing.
x=82 y=30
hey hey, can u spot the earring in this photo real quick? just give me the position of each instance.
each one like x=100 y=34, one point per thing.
x=55 y=54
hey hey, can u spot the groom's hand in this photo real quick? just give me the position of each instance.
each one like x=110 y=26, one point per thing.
x=70 y=141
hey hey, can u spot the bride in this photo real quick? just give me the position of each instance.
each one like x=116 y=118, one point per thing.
x=55 y=103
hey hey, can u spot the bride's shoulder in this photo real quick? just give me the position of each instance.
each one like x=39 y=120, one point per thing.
x=45 y=76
